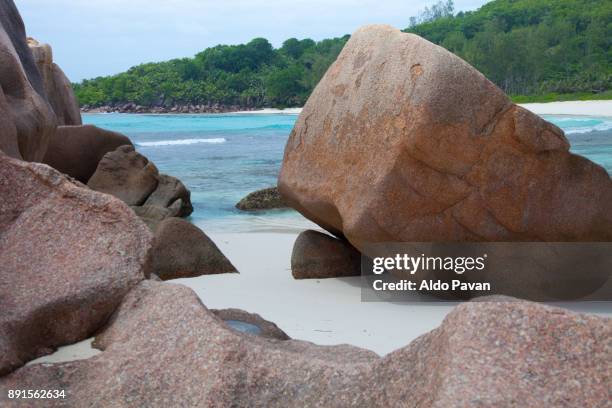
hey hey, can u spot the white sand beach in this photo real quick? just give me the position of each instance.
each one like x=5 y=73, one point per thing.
x=323 y=311
x=268 y=111
x=590 y=108
x=77 y=351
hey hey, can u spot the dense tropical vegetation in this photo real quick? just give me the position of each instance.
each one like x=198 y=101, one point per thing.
x=532 y=47
x=541 y=49
x=252 y=74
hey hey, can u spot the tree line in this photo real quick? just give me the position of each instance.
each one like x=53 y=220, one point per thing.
x=529 y=47
x=526 y=47
x=251 y=75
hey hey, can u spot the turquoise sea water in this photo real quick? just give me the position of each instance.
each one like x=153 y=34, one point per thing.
x=589 y=136
x=223 y=157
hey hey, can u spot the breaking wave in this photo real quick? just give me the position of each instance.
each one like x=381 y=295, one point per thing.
x=181 y=142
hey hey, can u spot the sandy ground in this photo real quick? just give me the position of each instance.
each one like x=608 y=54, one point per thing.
x=325 y=311
x=589 y=108
x=77 y=351
x=288 y=111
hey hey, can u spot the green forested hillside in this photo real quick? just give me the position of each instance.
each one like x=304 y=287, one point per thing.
x=253 y=74
x=533 y=46
x=527 y=47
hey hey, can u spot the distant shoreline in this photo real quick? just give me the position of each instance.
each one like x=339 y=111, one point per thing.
x=187 y=109
x=241 y=111
x=583 y=108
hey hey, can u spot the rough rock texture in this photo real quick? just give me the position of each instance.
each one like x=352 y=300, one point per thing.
x=57 y=86
x=182 y=250
x=235 y=318
x=318 y=255
x=126 y=174
x=77 y=150
x=26 y=118
x=403 y=141
x=171 y=193
x=153 y=215
x=68 y=255
x=130 y=176
x=265 y=199
x=485 y=354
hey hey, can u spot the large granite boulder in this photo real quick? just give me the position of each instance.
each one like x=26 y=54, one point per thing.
x=57 y=86
x=182 y=250
x=126 y=174
x=486 y=354
x=152 y=215
x=130 y=176
x=171 y=193
x=402 y=141
x=26 y=118
x=68 y=255
x=265 y=199
x=318 y=255
x=77 y=150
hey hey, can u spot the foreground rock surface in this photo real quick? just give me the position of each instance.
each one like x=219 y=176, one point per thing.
x=26 y=118
x=402 y=141
x=265 y=199
x=318 y=255
x=77 y=150
x=491 y=354
x=182 y=250
x=68 y=255
x=57 y=86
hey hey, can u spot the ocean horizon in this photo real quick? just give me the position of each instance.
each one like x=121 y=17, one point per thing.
x=223 y=157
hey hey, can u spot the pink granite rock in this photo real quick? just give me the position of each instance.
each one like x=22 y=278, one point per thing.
x=317 y=255
x=68 y=255
x=57 y=86
x=402 y=141
x=130 y=176
x=77 y=150
x=164 y=348
x=26 y=118
x=171 y=193
x=182 y=250
x=126 y=174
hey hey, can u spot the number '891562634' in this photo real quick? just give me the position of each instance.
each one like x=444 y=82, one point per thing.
x=36 y=394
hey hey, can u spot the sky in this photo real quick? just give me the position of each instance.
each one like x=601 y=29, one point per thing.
x=93 y=38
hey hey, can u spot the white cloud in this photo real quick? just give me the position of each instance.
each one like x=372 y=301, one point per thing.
x=92 y=38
